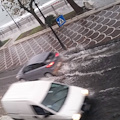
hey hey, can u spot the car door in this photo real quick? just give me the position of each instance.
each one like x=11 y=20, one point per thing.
x=34 y=71
x=44 y=114
x=28 y=72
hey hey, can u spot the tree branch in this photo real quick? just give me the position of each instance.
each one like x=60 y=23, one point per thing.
x=22 y=6
x=31 y=4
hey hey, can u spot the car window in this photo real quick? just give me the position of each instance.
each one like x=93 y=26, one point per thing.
x=39 y=111
x=33 y=66
x=26 y=69
x=50 y=57
x=56 y=96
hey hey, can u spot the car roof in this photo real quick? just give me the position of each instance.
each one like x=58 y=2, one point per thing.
x=34 y=91
x=38 y=58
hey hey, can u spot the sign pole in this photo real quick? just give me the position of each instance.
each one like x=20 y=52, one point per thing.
x=62 y=45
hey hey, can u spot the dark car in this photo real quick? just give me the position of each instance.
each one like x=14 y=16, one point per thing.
x=42 y=65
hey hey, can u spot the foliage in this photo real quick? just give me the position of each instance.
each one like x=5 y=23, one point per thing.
x=17 y=7
x=3 y=42
x=50 y=20
x=13 y=6
x=39 y=28
x=30 y=32
x=29 y=5
x=70 y=15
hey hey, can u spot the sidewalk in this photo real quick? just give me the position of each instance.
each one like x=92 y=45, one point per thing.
x=68 y=22
x=89 y=29
x=33 y=23
x=13 y=35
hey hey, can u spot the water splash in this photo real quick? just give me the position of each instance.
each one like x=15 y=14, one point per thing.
x=90 y=73
x=65 y=68
x=109 y=89
x=99 y=52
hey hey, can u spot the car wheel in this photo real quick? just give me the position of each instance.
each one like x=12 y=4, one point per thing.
x=48 y=75
x=86 y=107
x=87 y=104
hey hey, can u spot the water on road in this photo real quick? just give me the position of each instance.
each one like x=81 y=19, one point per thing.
x=97 y=69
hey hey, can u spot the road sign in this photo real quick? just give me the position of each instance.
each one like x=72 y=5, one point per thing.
x=60 y=20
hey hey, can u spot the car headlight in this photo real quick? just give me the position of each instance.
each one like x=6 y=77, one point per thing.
x=76 y=116
x=85 y=92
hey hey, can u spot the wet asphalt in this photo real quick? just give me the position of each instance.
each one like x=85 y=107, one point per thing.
x=97 y=69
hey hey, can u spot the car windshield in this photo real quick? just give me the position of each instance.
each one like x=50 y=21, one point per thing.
x=56 y=96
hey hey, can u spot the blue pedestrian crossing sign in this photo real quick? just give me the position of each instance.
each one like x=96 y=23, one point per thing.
x=60 y=20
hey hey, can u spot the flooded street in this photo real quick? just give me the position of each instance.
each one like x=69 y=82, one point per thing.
x=97 y=69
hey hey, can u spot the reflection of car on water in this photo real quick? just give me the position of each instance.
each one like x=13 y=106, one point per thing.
x=45 y=100
x=44 y=64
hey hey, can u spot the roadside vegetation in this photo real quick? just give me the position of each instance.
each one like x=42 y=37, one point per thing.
x=3 y=42
x=19 y=7
x=51 y=20
x=30 y=32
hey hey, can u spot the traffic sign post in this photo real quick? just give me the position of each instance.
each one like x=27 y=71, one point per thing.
x=60 y=20
x=62 y=45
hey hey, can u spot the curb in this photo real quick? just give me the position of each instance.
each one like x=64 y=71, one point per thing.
x=4 y=46
x=68 y=22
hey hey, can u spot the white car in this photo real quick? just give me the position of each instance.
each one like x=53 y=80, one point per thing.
x=45 y=100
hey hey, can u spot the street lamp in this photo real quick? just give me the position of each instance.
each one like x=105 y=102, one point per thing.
x=62 y=45
x=9 y=15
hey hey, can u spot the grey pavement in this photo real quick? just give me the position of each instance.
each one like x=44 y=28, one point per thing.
x=88 y=30
x=28 y=23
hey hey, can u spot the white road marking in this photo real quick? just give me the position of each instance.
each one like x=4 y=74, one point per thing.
x=8 y=77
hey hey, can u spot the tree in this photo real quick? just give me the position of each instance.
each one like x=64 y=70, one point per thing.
x=76 y=8
x=27 y=5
